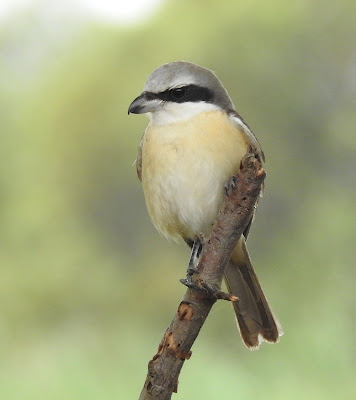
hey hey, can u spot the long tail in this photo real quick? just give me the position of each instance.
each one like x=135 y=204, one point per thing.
x=255 y=319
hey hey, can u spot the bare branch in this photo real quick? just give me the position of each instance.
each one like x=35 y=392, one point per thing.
x=233 y=218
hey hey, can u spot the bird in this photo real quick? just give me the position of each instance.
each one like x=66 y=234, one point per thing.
x=193 y=144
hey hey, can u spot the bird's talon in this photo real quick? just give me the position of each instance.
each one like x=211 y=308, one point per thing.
x=189 y=283
x=191 y=270
x=230 y=186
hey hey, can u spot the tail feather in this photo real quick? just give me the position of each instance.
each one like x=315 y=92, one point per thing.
x=255 y=318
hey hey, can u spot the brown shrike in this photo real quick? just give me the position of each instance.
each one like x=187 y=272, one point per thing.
x=192 y=146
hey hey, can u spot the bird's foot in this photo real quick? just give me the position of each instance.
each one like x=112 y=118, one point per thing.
x=230 y=186
x=191 y=270
x=194 y=258
x=209 y=291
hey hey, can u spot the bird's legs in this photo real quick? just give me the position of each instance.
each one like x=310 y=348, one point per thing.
x=197 y=247
x=210 y=291
x=194 y=256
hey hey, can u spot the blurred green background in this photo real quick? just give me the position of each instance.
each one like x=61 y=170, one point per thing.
x=87 y=287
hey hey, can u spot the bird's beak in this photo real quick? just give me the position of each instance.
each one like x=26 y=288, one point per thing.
x=144 y=103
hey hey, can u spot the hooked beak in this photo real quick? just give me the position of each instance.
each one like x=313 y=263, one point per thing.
x=144 y=103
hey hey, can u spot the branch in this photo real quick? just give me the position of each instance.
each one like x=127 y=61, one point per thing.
x=233 y=218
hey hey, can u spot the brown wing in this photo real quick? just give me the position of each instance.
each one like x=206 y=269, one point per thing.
x=139 y=159
x=248 y=132
x=256 y=148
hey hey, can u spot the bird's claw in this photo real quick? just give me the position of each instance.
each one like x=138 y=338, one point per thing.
x=209 y=291
x=230 y=186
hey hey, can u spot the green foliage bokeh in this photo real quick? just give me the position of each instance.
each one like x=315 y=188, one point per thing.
x=87 y=286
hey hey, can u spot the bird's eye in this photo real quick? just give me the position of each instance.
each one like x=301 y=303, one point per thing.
x=179 y=93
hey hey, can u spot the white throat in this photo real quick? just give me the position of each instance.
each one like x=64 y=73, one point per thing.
x=171 y=113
